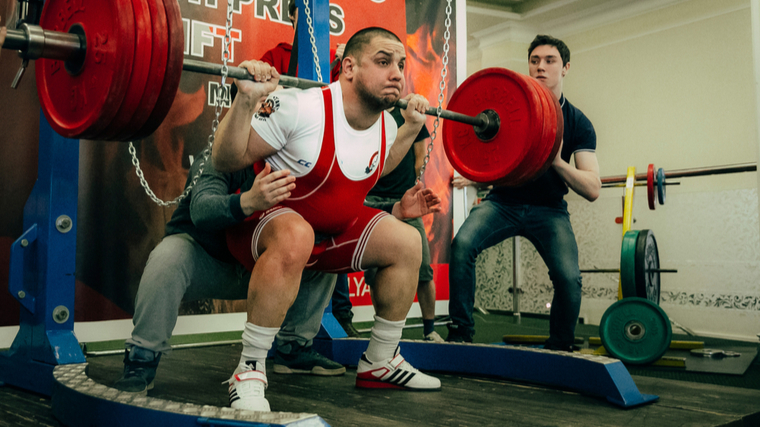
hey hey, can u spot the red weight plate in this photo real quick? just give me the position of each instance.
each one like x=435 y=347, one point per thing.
x=650 y=187
x=140 y=70
x=532 y=161
x=552 y=145
x=158 y=59
x=560 y=129
x=543 y=147
x=84 y=102
x=173 y=70
x=517 y=105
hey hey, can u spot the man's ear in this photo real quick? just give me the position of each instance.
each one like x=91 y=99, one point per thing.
x=565 y=69
x=348 y=65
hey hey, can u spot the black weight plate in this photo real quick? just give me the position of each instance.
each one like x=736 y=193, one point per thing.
x=647 y=264
x=661 y=186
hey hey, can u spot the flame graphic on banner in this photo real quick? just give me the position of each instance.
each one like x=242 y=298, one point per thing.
x=424 y=64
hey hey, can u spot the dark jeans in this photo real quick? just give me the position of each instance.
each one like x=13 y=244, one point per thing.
x=550 y=232
x=341 y=303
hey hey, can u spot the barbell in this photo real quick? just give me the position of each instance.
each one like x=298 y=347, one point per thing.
x=109 y=70
x=657 y=181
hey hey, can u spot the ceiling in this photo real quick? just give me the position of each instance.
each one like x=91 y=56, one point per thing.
x=482 y=14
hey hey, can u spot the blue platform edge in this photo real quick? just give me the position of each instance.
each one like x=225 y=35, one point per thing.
x=68 y=405
x=587 y=374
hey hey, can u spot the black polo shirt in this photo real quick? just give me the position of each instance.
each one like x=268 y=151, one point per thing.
x=549 y=189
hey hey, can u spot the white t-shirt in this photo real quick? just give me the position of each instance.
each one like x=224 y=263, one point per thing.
x=296 y=126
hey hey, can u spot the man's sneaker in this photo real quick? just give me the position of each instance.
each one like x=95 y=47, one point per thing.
x=346 y=322
x=433 y=337
x=304 y=360
x=458 y=334
x=394 y=373
x=139 y=371
x=247 y=387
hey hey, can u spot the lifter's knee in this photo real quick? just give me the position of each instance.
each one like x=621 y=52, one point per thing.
x=407 y=247
x=287 y=240
x=567 y=282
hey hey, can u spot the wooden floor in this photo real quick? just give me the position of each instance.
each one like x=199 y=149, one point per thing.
x=195 y=376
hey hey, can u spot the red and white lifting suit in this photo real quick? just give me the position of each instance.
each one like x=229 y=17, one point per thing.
x=330 y=202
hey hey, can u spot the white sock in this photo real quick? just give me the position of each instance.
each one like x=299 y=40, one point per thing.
x=257 y=340
x=384 y=339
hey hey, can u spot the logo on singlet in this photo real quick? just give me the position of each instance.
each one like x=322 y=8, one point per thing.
x=304 y=163
x=372 y=163
x=269 y=107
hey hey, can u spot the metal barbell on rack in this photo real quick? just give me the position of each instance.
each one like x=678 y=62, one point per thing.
x=110 y=71
x=657 y=181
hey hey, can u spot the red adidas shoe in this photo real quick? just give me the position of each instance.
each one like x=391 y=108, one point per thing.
x=394 y=373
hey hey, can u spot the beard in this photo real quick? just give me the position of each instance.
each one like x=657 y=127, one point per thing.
x=377 y=103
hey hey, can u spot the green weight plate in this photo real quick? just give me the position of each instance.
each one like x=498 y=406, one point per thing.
x=628 y=263
x=635 y=330
x=646 y=266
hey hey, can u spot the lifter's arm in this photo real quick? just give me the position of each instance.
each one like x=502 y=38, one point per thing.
x=584 y=177
x=414 y=117
x=236 y=144
x=215 y=205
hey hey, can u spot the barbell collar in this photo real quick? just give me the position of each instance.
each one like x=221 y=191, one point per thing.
x=33 y=42
x=15 y=40
x=490 y=125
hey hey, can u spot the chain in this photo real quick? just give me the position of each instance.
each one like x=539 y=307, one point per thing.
x=442 y=87
x=312 y=39
x=221 y=91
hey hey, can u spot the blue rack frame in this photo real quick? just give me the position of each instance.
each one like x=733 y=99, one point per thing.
x=42 y=263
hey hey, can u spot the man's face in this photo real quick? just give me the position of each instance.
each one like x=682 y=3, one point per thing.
x=379 y=74
x=545 y=65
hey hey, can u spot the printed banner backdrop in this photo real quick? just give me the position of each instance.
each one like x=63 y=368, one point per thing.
x=119 y=224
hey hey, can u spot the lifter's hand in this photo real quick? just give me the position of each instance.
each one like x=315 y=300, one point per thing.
x=415 y=111
x=417 y=202
x=269 y=188
x=265 y=79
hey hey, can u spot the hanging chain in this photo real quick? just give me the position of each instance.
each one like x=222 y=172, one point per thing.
x=312 y=39
x=221 y=91
x=442 y=86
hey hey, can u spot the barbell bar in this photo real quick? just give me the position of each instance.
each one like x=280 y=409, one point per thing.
x=656 y=182
x=617 y=270
x=638 y=184
x=34 y=43
x=485 y=123
x=115 y=52
x=684 y=173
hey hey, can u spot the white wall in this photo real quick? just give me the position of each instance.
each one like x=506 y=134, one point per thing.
x=669 y=83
